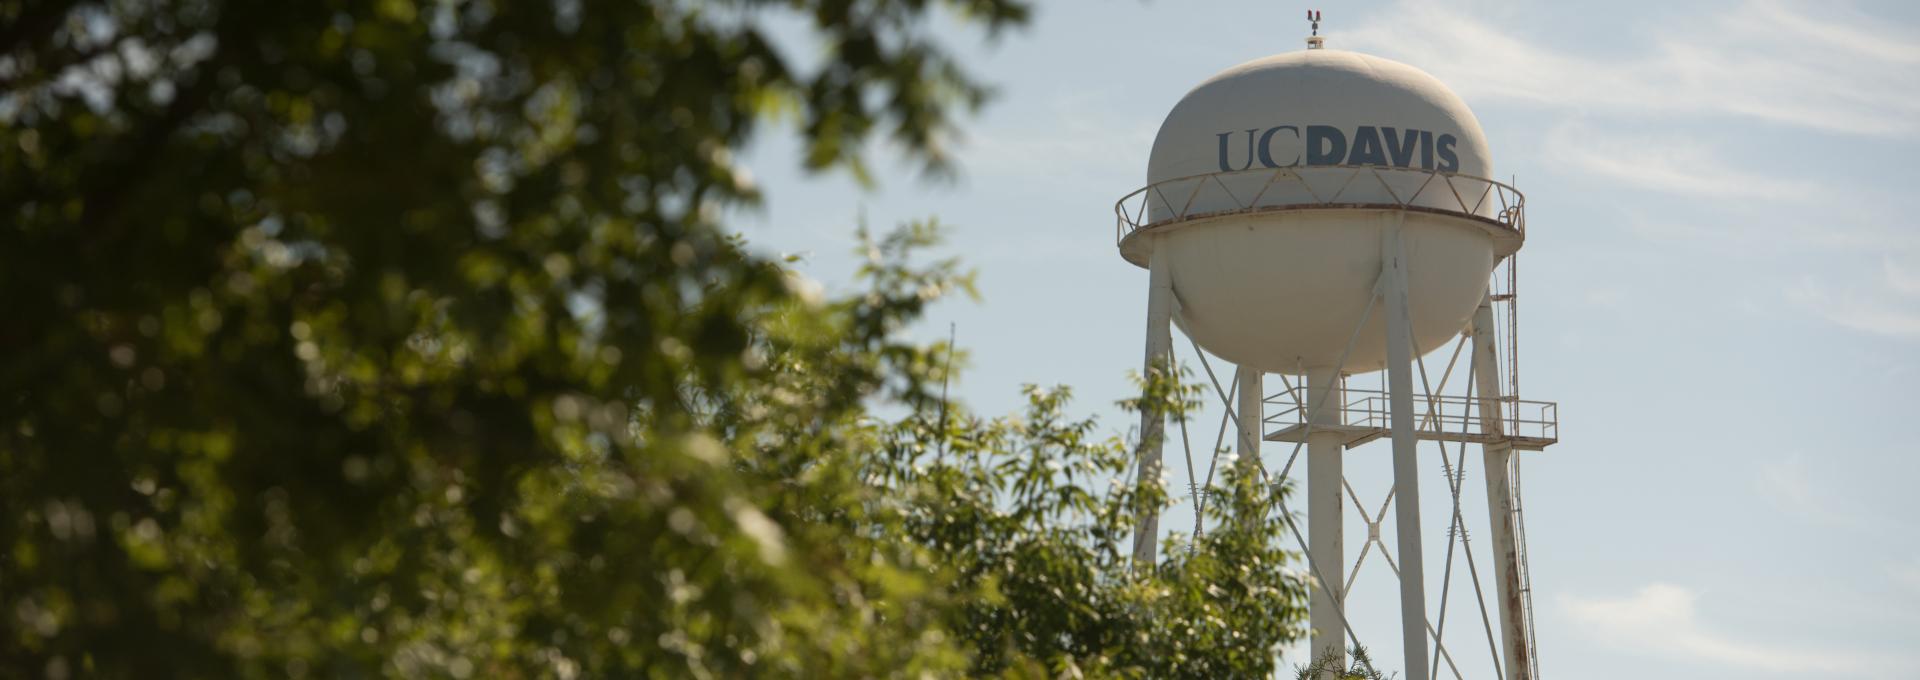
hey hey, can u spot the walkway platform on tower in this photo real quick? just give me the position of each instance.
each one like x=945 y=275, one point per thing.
x=1526 y=425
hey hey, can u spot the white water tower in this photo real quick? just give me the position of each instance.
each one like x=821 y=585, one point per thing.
x=1321 y=215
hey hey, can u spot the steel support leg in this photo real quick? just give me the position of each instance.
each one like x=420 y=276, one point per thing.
x=1251 y=412
x=1325 y=530
x=1506 y=559
x=1146 y=535
x=1406 y=468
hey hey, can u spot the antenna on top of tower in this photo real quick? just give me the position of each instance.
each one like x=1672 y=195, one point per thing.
x=1314 y=41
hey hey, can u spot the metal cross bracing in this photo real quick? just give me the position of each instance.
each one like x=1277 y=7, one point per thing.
x=1442 y=418
x=1321 y=574
x=1365 y=416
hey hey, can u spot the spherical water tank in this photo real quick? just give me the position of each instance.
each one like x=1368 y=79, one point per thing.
x=1272 y=185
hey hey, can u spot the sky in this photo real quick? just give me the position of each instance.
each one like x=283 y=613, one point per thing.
x=1720 y=288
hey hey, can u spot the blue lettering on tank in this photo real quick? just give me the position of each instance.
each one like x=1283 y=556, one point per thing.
x=1329 y=145
x=1266 y=151
x=1400 y=147
x=1326 y=145
x=1224 y=167
x=1366 y=147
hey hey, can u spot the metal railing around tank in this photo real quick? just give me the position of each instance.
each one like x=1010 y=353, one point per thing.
x=1318 y=187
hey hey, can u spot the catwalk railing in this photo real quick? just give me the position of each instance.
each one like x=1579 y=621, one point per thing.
x=1321 y=187
x=1522 y=423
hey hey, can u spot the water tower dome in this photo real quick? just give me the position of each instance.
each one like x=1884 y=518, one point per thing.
x=1270 y=187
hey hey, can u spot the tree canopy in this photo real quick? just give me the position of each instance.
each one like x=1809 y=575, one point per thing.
x=396 y=338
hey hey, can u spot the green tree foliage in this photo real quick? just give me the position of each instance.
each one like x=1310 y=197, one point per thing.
x=1358 y=666
x=397 y=338
x=1032 y=517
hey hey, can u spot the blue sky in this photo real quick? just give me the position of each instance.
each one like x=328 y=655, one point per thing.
x=1721 y=288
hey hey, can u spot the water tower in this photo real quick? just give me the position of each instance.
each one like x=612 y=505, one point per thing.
x=1324 y=216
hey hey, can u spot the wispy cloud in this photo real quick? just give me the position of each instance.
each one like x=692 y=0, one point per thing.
x=1642 y=113
x=1671 y=164
x=1789 y=485
x=1779 y=62
x=1662 y=619
x=1074 y=137
x=1906 y=575
x=1889 y=306
x=1901 y=279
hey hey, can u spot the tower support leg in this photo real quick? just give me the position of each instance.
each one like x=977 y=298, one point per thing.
x=1146 y=535
x=1498 y=456
x=1406 y=483
x=1325 y=530
x=1251 y=412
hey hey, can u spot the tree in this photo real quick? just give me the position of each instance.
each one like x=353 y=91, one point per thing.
x=401 y=339
x=1032 y=516
x=1330 y=666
